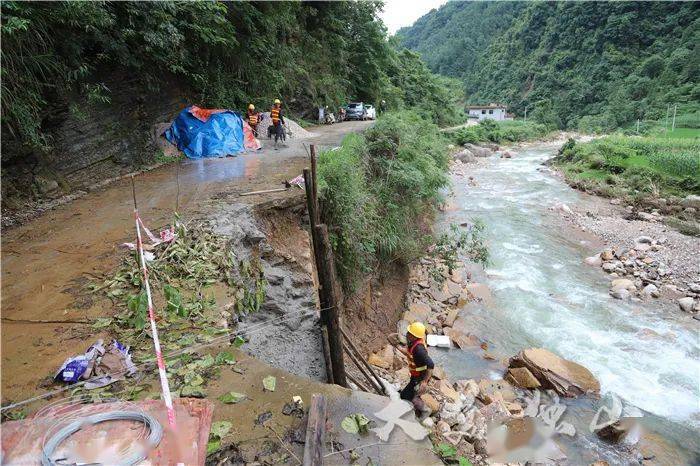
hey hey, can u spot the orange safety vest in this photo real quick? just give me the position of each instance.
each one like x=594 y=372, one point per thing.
x=412 y=369
x=253 y=118
x=275 y=115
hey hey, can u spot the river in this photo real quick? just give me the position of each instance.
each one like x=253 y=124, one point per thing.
x=544 y=296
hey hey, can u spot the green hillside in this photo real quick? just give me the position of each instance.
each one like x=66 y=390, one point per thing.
x=587 y=65
x=61 y=55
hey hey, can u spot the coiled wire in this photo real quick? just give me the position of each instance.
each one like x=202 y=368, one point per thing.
x=154 y=438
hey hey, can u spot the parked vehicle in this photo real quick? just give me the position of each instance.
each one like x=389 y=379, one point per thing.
x=356 y=111
x=371 y=112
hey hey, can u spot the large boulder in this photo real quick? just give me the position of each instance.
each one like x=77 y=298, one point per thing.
x=478 y=151
x=565 y=377
x=465 y=156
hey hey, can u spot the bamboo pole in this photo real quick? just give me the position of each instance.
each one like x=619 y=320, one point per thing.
x=366 y=364
x=377 y=388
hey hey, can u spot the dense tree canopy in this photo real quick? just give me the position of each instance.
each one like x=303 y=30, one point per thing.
x=594 y=65
x=228 y=53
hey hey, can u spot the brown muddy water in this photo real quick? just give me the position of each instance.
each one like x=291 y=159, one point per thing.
x=47 y=262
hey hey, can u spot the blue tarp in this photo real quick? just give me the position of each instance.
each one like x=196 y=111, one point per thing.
x=220 y=135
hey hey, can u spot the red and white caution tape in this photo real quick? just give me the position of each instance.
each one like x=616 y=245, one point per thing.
x=165 y=387
x=166 y=236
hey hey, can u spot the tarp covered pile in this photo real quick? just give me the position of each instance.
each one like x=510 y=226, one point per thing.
x=200 y=132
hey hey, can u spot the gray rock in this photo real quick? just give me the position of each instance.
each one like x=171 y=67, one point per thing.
x=691 y=200
x=643 y=239
x=686 y=304
x=620 y=293
x=651 y=290
x=595 y=261
x=611 y=266
x=465 y=156
x=622 y=283
x=478 y=151
x=45 y=185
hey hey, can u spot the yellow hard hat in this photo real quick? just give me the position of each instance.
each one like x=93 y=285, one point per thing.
x=417 y=329
x=251 y=107
x=277 y=101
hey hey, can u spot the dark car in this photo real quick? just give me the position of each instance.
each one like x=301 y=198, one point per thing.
x=356 y=111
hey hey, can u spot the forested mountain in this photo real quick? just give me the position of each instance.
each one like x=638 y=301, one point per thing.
x=593 y=65
x=68 y=56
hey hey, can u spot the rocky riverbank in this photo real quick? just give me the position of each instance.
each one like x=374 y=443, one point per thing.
x=479 y=419
x=645 y=258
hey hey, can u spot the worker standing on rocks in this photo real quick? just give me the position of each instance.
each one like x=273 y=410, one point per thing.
x=253 y=119
x=420 y=366
x=277 y=121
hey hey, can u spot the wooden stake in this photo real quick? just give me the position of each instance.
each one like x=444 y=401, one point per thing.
x=314 y=184
x=177 y=179
x=327 y=354
x=315 y=431
x=133 y=192
x=311 y=208
x=330 y=302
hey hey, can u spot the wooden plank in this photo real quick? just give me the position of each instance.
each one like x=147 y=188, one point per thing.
x=315 y=431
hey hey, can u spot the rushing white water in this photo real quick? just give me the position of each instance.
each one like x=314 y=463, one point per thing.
x=546 y=297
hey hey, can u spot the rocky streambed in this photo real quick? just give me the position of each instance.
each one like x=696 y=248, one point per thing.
x=538 y=292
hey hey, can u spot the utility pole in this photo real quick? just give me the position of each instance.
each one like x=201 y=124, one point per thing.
x=668 y=108
x=673 y=126
x=637 y=125
x=525 y=115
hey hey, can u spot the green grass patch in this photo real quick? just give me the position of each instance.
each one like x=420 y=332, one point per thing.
x=656 y=165
x=377 y=188
x=683 y=133
x=500 y=132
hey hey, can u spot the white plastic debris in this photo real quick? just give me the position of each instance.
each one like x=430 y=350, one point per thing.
x=442 y=341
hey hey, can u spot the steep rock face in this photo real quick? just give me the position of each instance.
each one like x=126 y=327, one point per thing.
x=565 y=377
x=91 y=142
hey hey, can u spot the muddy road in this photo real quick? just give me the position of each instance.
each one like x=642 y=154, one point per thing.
x=47 y=262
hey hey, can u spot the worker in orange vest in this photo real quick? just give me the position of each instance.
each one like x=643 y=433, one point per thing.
x=253 y=119
x=420 y=366
x=277 y=121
